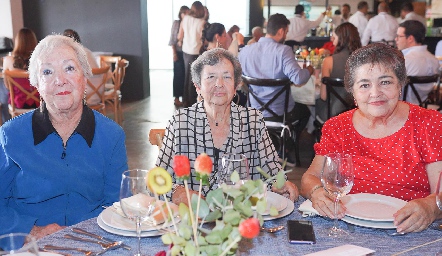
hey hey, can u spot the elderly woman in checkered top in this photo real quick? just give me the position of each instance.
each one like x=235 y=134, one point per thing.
x=215 y=125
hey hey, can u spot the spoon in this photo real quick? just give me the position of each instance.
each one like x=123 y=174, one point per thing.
x=273 y=229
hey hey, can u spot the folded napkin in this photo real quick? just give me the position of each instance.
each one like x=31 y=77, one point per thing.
x=145 y=201
x=307 y=209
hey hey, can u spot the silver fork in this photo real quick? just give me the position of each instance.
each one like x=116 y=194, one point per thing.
x=53 y=247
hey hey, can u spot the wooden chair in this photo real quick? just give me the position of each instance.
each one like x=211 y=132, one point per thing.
x=156 y=137
x=113 y=96
x=412 y=80
x=96 y=90
x=338 y=101
x=281 y=131
x=10 y=77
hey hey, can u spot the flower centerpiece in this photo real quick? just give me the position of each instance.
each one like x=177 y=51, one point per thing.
x=314 y=56
x=233 y=213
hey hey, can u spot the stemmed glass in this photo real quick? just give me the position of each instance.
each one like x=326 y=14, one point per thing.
x=337 y=179
x=18 y=243
x=233 y=162
x=136 y=200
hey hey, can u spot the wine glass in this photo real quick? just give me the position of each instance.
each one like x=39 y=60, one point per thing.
x=18 y=243
x=337 y=179
x=136 y=200
x=233 y=162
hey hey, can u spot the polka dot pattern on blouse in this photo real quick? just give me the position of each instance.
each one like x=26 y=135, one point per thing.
x=393 y=165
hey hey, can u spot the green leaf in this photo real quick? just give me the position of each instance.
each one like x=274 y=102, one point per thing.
x=261 y=205
x=225 y=232
x=263 y=173
x=184 y=213
x=201 y=240
x=166 y=238
x=273 y=211
x=175 y=250
x=219 y=225
x=216 y=214
x=280 y=180
x=185 y=231
x=190 y=249
x=203 y=178
x=231 y=216
x=232 y=192
x=215 y=195
x=234 y=177
x=214 y=237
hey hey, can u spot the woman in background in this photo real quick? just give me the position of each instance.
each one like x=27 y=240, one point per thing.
x=24 y=44
x=189 y=36
x=178 y=61
x=346 y=40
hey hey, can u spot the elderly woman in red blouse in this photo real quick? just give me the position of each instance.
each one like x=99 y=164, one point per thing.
x=395 y=146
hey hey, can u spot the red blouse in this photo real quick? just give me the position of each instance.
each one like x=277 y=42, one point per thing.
x=394 y=165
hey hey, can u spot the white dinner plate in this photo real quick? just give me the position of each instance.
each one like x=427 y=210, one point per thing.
x=290 y=206
x=370 y=224
x=121 y=232
x=372 y=207
x=115 y=220
x=274 y=199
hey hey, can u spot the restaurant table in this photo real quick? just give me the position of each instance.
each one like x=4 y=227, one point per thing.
x=428 y=242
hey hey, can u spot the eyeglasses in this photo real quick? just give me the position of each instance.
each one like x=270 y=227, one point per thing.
x=399 y=36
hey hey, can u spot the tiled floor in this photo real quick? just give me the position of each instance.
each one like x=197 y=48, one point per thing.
x=155 y=111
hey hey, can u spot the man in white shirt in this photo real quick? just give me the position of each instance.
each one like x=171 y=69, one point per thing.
x=358 y=19
x=407 y=13
x=341 y=16
x=380 y=28
x=300 y=26
x=418 y=60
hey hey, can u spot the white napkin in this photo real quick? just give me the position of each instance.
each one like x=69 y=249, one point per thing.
x=344 y=250
x=307 y=209
x=145 y=201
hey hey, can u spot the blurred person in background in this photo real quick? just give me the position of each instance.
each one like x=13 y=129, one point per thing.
x=256 y=35
x=178 y=61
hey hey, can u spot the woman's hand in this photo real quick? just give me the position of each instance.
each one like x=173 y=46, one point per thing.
x=325 y=205
x=416 y=215
x=180 y=196
x=288 y=188
x=40 y=231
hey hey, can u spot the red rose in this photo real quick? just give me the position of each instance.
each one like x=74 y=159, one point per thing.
x=181 y=166
x=249 y=228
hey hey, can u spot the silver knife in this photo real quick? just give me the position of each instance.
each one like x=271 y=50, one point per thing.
x=84 y=232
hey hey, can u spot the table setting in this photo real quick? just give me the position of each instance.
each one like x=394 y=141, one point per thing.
x=143 y=224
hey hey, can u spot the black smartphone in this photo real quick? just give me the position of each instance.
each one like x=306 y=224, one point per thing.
x=301 y=232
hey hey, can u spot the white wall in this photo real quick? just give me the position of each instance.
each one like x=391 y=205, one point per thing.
x=11 y=17
x=5 y=19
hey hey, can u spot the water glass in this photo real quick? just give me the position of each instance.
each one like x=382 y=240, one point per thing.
x=18 y=243
x=134 y=200
x=231 y=162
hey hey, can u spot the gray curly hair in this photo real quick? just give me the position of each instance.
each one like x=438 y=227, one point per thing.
x=211 y=58
x=375 y=54
x=47 y=45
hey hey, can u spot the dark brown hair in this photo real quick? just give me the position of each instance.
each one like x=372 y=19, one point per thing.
x=24 y=43
x=348 y=37
x=197 y=10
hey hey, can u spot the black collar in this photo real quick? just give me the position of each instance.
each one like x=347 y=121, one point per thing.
x=42 y=126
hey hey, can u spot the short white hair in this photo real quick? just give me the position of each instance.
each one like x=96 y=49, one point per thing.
x=50 y=43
